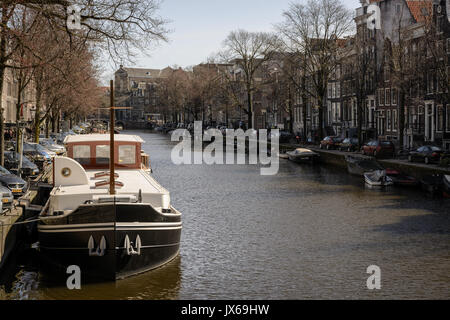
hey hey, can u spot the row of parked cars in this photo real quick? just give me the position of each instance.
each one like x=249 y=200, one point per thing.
x=19 y=169
x=384 y=149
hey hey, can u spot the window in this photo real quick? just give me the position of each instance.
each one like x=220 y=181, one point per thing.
x=338 y=111
x=440 y=118
x=388 y=97
x=127 y=154
x=394 y=120
x=382 y=97
x=429 y=83
x=394 y=97
x=102 y=154
x=389 y=120
x=333 y=112
x=82 y=154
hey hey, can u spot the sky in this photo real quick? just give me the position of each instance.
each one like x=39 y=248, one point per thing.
x=200 y=26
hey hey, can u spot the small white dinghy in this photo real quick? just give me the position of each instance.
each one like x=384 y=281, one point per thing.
x=378 y=178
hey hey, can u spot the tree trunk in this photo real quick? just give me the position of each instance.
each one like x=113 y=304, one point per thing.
x=2 y=75
x=251 y=118
x=401 y=118
x=47 y=126
x=291 y=112
x=18 y=130
x=37 y=116
x=305 y=121
x=359 y=120
x=321 y=124
x=2 y=121
x=54 y=118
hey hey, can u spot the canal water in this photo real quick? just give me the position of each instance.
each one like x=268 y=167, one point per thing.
x=309 y=232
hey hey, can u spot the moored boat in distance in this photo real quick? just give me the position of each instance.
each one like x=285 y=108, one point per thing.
x=109 y=236
x=302 y=155
x=377 y=178
x=359 y=165
x=401 y=179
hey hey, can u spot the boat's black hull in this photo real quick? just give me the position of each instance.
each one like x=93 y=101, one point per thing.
x=77 y=240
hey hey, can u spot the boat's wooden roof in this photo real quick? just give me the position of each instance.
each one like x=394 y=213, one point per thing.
x=101 y=138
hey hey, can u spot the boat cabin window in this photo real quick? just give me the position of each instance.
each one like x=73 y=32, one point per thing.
x=102 y=154
x=95 y=154
x=127 y=154
x=82 y=154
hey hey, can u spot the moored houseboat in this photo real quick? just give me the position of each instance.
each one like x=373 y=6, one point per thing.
x=112 y=222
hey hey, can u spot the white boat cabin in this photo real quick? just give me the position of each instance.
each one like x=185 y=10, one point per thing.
x=83 y=176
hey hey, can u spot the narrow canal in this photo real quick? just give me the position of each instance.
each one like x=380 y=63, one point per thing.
x=309 y=232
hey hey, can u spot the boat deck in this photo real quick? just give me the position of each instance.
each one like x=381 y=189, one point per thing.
x=70 y=197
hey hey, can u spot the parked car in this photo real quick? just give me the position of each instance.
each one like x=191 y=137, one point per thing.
x=349 y=144
x=37 y=153
x=7 y=197
x=12 y=159
x=51 y=145
x=330 y=142
x=78 y=130
x=60 y=138
x=15 y=184
x=379 y=148
x=427 y=154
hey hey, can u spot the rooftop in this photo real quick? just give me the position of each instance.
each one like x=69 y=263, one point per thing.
x=421 y=10
x=102 y=137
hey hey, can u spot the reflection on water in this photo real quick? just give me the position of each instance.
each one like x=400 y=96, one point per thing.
x=161 y=283
x=307 y=232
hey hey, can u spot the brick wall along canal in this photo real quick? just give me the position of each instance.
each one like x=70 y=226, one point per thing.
x=308 y=232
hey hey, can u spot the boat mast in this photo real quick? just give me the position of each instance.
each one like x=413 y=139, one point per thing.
x=112 y=184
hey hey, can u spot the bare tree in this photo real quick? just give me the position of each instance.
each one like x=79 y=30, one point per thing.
x=117 y=27
x=249 y=51
x=314 y=31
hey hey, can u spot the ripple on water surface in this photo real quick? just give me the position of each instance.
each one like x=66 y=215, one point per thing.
x=307 y=232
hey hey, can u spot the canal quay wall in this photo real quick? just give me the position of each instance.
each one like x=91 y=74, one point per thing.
x=12 y=221
x=9 y=233
x=337 y=158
